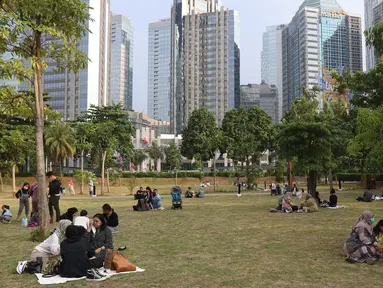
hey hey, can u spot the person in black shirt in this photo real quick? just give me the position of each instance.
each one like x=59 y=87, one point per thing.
x=70 y=214
x=54 y=196
x=111 y=218
x=333 y=201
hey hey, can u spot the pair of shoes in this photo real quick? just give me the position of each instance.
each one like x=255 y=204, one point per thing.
x=239 y=195
x=21 y=267
x=95 y=276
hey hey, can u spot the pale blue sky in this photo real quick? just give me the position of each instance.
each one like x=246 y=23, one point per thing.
x=255 y=15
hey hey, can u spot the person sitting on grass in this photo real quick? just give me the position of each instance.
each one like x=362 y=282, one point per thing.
x=6 y=216
x=279 y=190
x=200 y=194
x=362 y=247
x=82 y=220
x=111 y=218
x=366 y=197
x=70 y=214
x=310 y=205
x=333 y=200
x=317 y=198
x=189 y=193
x=101 y=241
x=156 y=200
x=287 y=203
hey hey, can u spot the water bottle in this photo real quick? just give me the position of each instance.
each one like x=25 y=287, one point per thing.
x=24 y=222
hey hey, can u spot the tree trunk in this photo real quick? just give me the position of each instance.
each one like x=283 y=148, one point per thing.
x=330 y=179
x=312 y=182
x=103 y=173
x=215 y=173
x=82 y=173
x=14 y=178
x=107 y=180
x=61 y=169
x=39 y=125
x=1 y=181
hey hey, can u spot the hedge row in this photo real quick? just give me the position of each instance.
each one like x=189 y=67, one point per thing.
x=357 y=177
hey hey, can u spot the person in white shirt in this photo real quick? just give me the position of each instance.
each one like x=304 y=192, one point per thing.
x=82 y=220
x=51 y=246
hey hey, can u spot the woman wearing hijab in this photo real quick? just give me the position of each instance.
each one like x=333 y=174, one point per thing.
x=287 y=203
x=51 y=246
x=310 y=205
x=362 y=246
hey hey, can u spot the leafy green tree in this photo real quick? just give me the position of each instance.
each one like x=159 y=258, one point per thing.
x=173 y=156
x=248 y=133
x=83 y=132
x=113 y=131
x=36 y=31
x=60 y=142
x=374 y=38
x=156 y=153
x=138 y=156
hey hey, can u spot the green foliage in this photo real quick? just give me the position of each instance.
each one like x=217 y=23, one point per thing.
x=155 y=152
x=173 y=156
x=181 y=174
x=280 y=170
x=84 y=176
x=374 y=38
x=138 y=156
x=83 y=132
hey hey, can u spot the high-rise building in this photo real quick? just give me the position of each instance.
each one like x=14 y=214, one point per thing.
x=369 y=6
x=271 y=58
x=203 y=39
x=320 y=38
x=159 y=70
x=264 y=96
x=211 y=62
x=72 y=93
x=121 y=76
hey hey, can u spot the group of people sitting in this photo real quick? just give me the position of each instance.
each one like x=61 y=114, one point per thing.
x=78 y=247
x=147 y=200
x=309 y=204
x=189 y=193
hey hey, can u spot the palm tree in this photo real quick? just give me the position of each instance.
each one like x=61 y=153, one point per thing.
x=59 y=140
x=156 y=153
x=138 y=157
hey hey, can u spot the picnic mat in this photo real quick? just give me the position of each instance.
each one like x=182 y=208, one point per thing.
x=60 y=280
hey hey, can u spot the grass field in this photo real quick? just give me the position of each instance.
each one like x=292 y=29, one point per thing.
x=221 y=241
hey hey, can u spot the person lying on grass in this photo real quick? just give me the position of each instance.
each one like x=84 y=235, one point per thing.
x=310 y=205
x=362 y=246
x=111 y=217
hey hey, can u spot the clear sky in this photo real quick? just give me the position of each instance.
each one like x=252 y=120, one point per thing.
x=254 y=15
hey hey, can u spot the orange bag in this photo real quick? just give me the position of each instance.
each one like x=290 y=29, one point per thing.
x=121 y=263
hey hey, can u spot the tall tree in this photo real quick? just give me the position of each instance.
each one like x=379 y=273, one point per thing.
x=248 y=133
x=83 y=132
x=60 y=141
x=173 y=156
x=156 y=153
x=35 y=31
x=374 y=38
x=113 y=131
x=138 y=156
x=201 y=138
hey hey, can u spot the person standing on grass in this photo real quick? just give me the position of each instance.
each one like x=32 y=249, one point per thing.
x=23 y=196
x=71 y=187
x=54 y=196
x=239 y=187
x=90 y=185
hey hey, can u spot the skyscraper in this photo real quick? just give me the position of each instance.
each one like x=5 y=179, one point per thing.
x=159 y=70
x=320 y=38
x=121 y=76
x=369 y=6
x=271 y=58
x=203 y=38
x=72 y=93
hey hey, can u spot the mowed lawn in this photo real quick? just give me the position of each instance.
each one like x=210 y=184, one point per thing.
x=221 y=241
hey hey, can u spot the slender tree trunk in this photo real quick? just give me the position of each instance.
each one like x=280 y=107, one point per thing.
x=215 y=173
x=61 y=169
x=312 y=182
x=107 y=180
x=39 y=124
x=82 y=173
x=103 y=172
x=330 y=178
x=1 y=181
x=14 y=178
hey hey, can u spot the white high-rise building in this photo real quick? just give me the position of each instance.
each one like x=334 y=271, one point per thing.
x=121 y=76
x=369 y=6
x=159 y=70
x=271 y=56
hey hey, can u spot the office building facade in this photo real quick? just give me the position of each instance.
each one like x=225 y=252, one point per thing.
x=159 y=70
x=211 y=62
x=370 y=21
x=321 y=37
x=264 y=96
x=121 y=76
x=271 y=59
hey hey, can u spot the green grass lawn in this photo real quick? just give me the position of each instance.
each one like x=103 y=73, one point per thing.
x=219 y=242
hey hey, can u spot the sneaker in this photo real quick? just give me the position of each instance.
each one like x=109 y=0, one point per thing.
x=239 y=195
x=21 y=266
x=94 y=276
x=103 y=272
